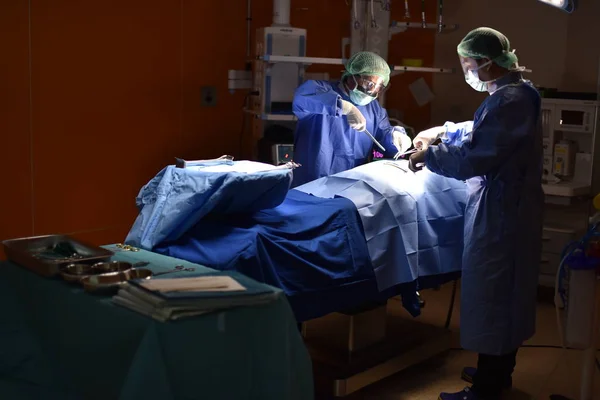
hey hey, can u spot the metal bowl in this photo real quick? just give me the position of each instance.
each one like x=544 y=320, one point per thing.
x=76 y=272
x=111 y=266
x=139 y=273
x=111 y=282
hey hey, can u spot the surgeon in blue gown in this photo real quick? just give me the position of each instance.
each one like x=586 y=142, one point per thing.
x=499 y=155
x=330 y=135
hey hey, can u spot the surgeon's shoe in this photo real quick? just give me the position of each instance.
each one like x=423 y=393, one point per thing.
x=421 y=301
x=465 y=394
x=469 y=372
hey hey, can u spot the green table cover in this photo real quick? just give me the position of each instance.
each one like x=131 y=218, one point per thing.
x=58 y=342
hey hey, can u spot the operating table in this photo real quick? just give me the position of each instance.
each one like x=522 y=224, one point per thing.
x=361 y=236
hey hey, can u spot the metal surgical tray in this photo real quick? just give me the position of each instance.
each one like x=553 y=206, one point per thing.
x=26 y=253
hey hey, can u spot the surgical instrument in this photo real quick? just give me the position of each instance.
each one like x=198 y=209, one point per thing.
x=406 y=10
x=289 y=165
x=395 y=165
x=405 y=153
x=178 y=268
x=374 y=140
x=126 y=247
x=424 y=23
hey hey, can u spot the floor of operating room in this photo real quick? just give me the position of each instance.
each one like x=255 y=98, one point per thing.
x=540 y=372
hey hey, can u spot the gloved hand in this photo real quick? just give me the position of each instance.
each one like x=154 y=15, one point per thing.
x=416 y=161
x=400 y=140
x=355 y=118
x=425 y=138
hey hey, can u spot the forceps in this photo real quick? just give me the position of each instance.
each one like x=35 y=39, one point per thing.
x=405 y=153
x=178 y=268
x=374 y=140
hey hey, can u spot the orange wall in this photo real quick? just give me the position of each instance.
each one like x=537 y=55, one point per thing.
x=98 y=96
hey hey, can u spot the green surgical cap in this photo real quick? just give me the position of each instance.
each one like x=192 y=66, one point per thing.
x=488 y=43
x=367 y=63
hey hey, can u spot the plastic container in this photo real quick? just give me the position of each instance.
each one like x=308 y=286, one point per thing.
x=581 y=294
x=412 y=62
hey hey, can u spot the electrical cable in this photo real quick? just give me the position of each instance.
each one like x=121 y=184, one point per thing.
x=243 y=130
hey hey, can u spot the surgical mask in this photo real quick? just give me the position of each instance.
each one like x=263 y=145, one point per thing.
x=472 y=78
x=359 y=98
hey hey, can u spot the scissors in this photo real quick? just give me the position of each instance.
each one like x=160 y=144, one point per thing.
x=178 y=268
x=399 y=154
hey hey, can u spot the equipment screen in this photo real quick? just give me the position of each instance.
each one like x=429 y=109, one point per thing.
x=569 y=117
x=285 y=153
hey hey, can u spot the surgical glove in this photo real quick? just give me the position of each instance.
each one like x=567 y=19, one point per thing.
x=416 y=161
x=425 y=138
x=355 y=118
x=401 y=140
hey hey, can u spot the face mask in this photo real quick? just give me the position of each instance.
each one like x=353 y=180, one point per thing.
x=472 y=78
x=359 y=98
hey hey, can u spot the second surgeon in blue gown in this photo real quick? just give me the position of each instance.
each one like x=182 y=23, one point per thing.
x=499 y=155
x=332 y=117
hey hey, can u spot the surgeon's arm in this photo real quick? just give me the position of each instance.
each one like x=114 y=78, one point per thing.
x=494 y=138
x=316 y=97
x=455 y=133
x=450 y=133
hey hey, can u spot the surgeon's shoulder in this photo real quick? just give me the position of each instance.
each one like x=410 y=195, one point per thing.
x=523 y=97
x=314 y=86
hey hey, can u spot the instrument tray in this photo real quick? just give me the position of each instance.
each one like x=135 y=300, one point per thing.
x=42 y=254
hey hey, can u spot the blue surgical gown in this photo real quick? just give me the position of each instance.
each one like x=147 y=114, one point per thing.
x=324 y=143
x=501 y=161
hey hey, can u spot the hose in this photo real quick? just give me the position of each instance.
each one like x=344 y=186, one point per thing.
x=248 y=27
x=440 y=21
x=355 y=9
x=373 y=21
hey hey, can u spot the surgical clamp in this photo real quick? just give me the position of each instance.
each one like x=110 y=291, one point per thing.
x=399 y=154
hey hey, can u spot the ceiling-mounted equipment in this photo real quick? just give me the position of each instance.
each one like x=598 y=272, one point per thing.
x=565 y=5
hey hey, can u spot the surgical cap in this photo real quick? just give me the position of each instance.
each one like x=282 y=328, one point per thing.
x=488 y=43
x=367 y=63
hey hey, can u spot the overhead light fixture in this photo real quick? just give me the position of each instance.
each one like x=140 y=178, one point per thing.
x=565 y=5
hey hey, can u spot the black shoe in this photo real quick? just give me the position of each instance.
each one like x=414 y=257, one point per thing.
x=421 y=301
x=468 y=373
